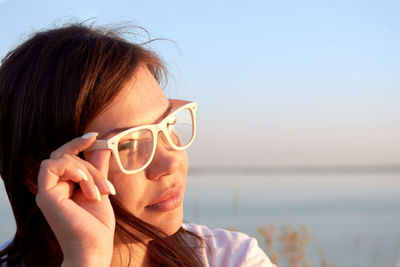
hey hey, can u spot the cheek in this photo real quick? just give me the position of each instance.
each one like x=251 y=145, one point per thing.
x=132 y=189
x=184 y=160
x=113 y=168
x=185 y=168
x=129 y=190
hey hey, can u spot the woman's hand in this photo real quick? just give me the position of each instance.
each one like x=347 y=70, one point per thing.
x=81 y=217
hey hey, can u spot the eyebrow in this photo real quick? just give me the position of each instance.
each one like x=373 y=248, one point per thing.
x=118 y=130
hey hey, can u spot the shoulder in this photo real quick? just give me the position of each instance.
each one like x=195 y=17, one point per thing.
x=227 y=248
x=3 y=246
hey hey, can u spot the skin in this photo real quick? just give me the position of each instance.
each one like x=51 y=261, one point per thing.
x=142 y=102
x=85 y=226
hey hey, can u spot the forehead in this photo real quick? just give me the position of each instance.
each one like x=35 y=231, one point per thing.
x=141 y=101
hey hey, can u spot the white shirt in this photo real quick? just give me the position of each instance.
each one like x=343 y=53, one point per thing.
x=228 y=249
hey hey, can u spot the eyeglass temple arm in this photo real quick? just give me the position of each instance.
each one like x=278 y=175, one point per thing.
x=98 y=145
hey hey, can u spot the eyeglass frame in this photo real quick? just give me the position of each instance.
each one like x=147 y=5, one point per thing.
x=112 y=142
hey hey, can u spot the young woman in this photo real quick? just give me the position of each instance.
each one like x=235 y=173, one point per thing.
x=93 y=158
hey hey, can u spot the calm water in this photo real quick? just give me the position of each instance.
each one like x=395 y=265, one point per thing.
x=354 y=218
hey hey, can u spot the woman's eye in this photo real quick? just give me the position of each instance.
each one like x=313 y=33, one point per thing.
x=127 y=144
x=171 y=121
x=133 y=144
x=170 y=124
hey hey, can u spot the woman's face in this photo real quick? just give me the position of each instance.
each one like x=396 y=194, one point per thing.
x=154 y=195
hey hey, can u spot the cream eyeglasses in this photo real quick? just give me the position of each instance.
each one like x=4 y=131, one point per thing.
x=134 y=148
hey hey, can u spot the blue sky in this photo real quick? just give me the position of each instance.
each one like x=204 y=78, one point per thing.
x=277 y=82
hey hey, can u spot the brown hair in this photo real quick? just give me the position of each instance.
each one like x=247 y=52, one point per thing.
x=51 y=87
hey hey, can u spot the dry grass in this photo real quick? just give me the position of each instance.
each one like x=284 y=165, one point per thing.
x=288 y=247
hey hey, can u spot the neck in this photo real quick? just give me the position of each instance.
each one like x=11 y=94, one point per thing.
x=129 y=254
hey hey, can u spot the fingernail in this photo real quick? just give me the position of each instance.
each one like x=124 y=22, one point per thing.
x=110 y=187
x=98 y=196
x=89 y=135
x=83 y=175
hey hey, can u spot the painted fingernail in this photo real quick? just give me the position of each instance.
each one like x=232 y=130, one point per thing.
x=98 y=196
x=110 y=187
x=83 y=175
x=89 y=135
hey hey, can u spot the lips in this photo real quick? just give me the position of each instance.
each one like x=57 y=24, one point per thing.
x=169 y=199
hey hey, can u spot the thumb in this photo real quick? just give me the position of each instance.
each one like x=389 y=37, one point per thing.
x=101 y=160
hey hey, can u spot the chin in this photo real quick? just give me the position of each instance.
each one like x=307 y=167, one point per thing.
x=168 y=222
x=171 y=222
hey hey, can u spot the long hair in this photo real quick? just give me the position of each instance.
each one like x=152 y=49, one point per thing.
x=51 y=87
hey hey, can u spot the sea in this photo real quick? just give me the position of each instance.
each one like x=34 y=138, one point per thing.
x=330 y=219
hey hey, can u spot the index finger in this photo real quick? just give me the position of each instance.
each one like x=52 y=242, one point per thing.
x=101 y=159
x=75 y=146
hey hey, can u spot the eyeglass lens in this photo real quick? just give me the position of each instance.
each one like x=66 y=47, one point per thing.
x=135 y=148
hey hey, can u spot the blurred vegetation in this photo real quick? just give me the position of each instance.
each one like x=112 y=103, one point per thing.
x=288 y=247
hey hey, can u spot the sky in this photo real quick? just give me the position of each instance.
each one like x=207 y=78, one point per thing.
x=278 y=83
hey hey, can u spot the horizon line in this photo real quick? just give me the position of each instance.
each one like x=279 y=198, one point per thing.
x=292 y=169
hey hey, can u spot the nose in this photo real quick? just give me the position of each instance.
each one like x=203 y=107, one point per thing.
x=166 y=160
